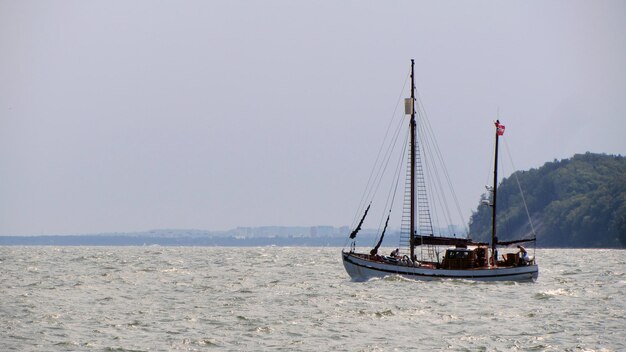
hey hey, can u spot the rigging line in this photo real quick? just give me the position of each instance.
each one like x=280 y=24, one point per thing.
x=434 y=214
x=405 y=225
x=396 y=177
x=504 y=216
x=439 y=190
x=363 y=200
x=441 y=199
x=382 y=170
x=426 y=164
x=383 y=167
x=406 y=140
x=490 y=173
x=345 y=243
x=448 y=181
x=397 y=174
x=445 y=206
x=441 y=161
x=437 y=186
x=519 y=186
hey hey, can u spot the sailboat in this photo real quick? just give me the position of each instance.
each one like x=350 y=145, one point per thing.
x=463 y=258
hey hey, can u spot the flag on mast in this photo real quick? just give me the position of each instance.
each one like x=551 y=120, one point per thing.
x=499 y=128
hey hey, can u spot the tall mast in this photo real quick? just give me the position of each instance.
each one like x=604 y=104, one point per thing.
x=412 y=235
x=494 y=239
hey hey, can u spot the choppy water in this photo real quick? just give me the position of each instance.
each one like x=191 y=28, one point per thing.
x=251 y=299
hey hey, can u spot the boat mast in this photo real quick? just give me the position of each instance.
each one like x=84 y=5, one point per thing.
x=494 y=238
x=412 y=235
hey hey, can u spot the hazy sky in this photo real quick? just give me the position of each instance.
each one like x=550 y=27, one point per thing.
x=137 y=115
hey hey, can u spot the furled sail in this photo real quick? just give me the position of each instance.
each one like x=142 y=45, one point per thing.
x=358 y=228
x=444 y=241
x=506 y=243
x=382 y=235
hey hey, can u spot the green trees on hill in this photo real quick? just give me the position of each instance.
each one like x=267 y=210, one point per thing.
x=576 y=202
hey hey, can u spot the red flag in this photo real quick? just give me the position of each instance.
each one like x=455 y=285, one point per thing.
x=500 y=128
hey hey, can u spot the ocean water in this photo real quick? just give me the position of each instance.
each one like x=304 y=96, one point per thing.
x=296 y=299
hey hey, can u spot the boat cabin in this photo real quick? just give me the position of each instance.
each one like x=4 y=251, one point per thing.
x=464 y=258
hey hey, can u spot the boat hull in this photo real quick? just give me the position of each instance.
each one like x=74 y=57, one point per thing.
x=361 y=269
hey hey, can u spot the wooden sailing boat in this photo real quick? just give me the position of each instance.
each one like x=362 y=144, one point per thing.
x=463 y=258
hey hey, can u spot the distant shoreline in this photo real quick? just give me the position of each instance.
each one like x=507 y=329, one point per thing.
x=126 y=240
x=138 y=241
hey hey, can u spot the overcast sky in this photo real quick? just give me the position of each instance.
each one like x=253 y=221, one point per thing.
x=137 y=115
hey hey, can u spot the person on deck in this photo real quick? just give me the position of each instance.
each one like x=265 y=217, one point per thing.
x=523 y=254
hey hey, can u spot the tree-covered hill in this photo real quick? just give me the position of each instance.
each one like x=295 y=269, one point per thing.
x=576 y=202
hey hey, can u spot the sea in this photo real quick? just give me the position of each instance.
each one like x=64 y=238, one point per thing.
x=297 y=299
